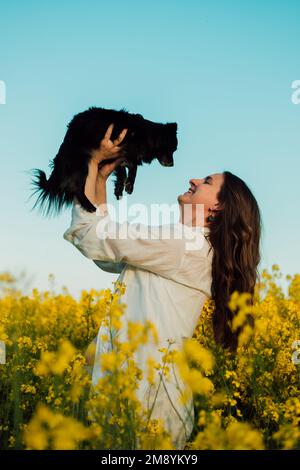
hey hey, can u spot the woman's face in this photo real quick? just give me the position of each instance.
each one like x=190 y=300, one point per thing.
x=204 y=192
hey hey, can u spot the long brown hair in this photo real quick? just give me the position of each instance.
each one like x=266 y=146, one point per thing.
x=235 y=238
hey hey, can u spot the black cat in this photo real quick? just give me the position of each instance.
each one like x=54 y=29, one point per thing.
x=145 y=140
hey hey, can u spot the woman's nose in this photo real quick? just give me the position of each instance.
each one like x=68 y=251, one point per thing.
x=194 y=181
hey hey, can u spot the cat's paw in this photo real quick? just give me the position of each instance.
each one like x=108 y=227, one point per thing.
x=128 y=187
x=119 y=193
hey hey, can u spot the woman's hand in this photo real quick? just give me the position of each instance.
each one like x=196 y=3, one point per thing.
x=105 y=169
x=103 y=162
x=109 y=149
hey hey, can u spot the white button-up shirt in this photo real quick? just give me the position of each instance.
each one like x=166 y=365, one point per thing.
x=166 y=270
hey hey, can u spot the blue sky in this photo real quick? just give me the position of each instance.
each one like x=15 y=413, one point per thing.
x=222 y=70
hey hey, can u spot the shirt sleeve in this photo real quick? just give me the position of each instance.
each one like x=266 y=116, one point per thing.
x=110 y=266
x=99 y=238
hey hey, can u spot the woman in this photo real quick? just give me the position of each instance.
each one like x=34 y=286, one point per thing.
x=168 y=280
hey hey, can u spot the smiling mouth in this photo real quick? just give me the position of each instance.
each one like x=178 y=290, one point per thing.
x=190 y=191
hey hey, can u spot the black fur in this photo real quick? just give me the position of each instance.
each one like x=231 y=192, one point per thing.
x=145 y=140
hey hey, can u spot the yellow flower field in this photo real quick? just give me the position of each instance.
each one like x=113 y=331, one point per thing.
x=249 y=400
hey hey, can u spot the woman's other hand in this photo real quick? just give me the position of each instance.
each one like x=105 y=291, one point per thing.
x=90 y=352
